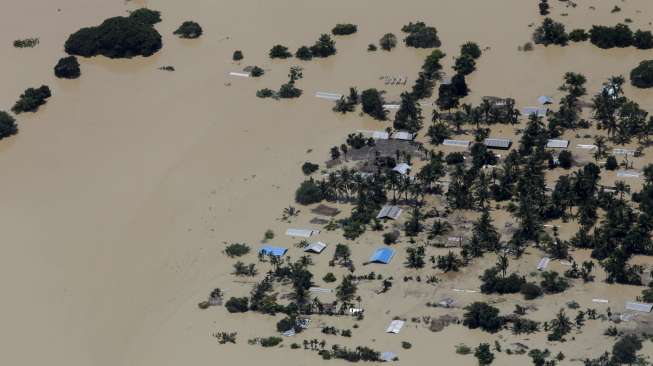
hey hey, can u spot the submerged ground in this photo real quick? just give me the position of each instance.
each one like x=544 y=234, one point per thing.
x=119 y=194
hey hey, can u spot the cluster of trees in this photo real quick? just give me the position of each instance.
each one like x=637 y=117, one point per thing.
x=449 y=94
x=642 y=75
x=550 y=32
x=8 y=125
x=287 y=90
x=26 y=43
x=620 y=36
x=67 y=68
x=32 y=99
x=419 y=35
x=344 y=29
x=624 y=352
x=325 y=46
x=118 y=37
x=189 y=30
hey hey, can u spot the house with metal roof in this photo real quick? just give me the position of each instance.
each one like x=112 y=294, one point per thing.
x=543 y=263
x=274 y=251
x=316 y=247
x=403 y=135
x=457 y=143
x=627 y=174
x=401 y=168
x=557 y=144
x=382 y=255
x=499 y=143
x=639 y=306
x=302 y=233
x=544 y=100
x=389 y=212
x=395 y=326
x=538 y=111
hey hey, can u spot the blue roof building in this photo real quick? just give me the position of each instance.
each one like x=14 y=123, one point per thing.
x=275 y=251
x=382 y=255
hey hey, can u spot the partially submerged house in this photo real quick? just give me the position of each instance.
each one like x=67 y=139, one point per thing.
x=395 y=326
x=273 y=251
x=639 y=306
x=325 y=210
x=627 y=174
x=328 y=96
x=403 y=135
x=498 y=143
x=388 y=356
x=401 y=168
x=302 y=233
x=543 y=100
x=389 y=212
x=623 y=152
x=457 y=143
x=543 y=263
x=538 y=111
x=382 y=255
x=316 y=247
x=557 y=144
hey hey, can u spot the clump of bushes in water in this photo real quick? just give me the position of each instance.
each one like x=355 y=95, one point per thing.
x=146 y=16
x=420 y=35
x=7 y=125
x=26 y=43
x=388 y=42
x=304 y=53
x=237 y=56
x=578 y=35
x=309 y=168
x=237 y=249
x=32 y=99
x=372 y=102
x=67 y=68
x=550 y=32
x=344 y=29
x=309 y=192
x=117 y=37
x=279 y=51
x=270 y=341
x=256 y=72
x=642 y=75
x=324 y=47
x=237 y=305
x=189 y=30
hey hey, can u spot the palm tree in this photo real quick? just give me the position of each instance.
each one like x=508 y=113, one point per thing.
x=502 y=264
x=621 y=188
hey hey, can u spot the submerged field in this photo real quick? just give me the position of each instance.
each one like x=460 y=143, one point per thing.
x=122 y=191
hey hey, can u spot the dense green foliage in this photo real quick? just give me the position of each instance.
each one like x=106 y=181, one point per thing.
x=189 y=30
x=550 y=32
x=32 y=99
x=484 y=316
x=642 y=75
x=67 y=68
x=308 y=192
x=146 y=16
x=117 y=37
x=421 y=36
x=237 y=56
x=388 y=42
x=7 y=125
x=279 y=51
x=372 y=102
x=344 y=29
x=325 y=46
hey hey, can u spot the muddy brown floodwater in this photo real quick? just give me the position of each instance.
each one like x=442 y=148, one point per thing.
x=118 y=194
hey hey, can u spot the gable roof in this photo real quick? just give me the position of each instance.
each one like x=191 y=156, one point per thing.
x=390 y=212
x=403 y=135
x=498 y=142
x=557 y=144
x=382 y=255
x=275 y=251
x=544 y=262
x=639 y=306
x=627 y=174
x=457 y=143
x=539 y=111
x=302 y=233
x=401 y=168
x=316 y=247
x=395 y=326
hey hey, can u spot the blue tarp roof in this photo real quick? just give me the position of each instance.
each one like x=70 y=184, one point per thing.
x=275 y=251
x=382 y=255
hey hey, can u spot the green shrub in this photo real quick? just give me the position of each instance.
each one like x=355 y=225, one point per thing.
x=421 y=36
x=344 y=29
x=279 y=51
x=146 y=16
x=566 y=159
x=26 y=43
x=238 y=55
x=470 y=49
x=67 y=68
x=286 y=324
x=256 y=72
x=7 y=125
x=309 y=168
x=304 y=53
x=550 y=32
x=371 y=47
x=530 y=291
x=271 y=341
x=484 y=316
x=388 y=42
x=237 y=249
x=324 y=47
x=265 y=93
x=454 y=158
x=237 y=305
x=578 y=35
x=329 y=277
x=32 y=99
x=611 y=163
x=117 y=37
x=189 y=30
x=642 y=75
x=643 y=40
x=406 y=345
x=462 y=349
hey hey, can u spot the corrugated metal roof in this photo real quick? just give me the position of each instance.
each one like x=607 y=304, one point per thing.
x=402 y=168
x=500 y=142
x=390 y=212
x=627 y=174
x=382 y=255
x=316 y=247
x=545 y=99
x=403 y=135
x=544 y=262
x=460 y=143
x=275 y=251
x=395 y=326
x=388 y=356
x=623 y=152
x=557 y=144
x=329 y=96
x=302 y=233
x=639 y=306
x=539 y=111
